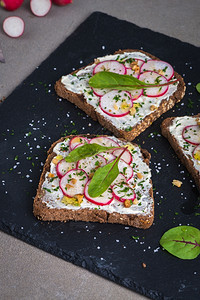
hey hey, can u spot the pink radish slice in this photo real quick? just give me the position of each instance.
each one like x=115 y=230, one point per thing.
x=125 y=169
x=130 y=62
x=104 y=141
x=104 y=199
x=13 y=26
x=196 y=153
x=108 y=156
x=77 y=140
x=158 y=66
x=130 y=72
x=91 y=164
x=191 y=134
x=135 y=94
x=73 y=182
x=154 y=78
x=120 y=178
x=116 y=103
x=63 y=167
x=100 y=92
x=126 y=156
x=122 y=191
x=110 y=66
x=40 y=8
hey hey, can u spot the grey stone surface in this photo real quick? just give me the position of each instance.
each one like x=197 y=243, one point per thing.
x=27 y=272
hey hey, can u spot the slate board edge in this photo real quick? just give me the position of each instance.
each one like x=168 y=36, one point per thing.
x=81 y=262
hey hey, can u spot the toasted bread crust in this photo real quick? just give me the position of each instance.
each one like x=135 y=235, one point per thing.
x=165 y=105
x=43 y=212
x=188 y=163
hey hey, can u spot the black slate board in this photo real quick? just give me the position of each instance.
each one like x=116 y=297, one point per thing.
x=32 y=117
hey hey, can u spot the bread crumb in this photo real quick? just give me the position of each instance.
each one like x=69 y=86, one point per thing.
x=177 y=183
x=139 y=175
x=127 y=203
x=144 y=265
x=135 y=201
x=153 y=107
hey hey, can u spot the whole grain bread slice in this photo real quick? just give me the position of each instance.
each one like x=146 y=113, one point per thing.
x=187 y=161
x=43 y=212
x=166 y=104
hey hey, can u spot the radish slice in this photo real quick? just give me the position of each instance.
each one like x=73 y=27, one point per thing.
x=191 y=134
x=154 y=78
x=126 y=156
x=104 y=141
x=77 y=140
x=63 y=167
x=91 y=164
x=110 y=66
x=40 y=8
x=159 y=66
x=120 y=178
x=196 y=153
x=116 y=103
x=13 y=26
x=122 y=191
x=135 y=94
x=104 y=199
x=100 y=92
x=73 y=182
x=108 y=156
x=125 y=169
x=130 y=63
x=133 y=66
x=130 y=72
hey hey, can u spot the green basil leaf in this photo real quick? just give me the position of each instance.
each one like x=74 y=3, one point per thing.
x=120 y=82
x=103 y=177
x=115 y=81
x=198 y=87
x=182 y=241
x=84 y=151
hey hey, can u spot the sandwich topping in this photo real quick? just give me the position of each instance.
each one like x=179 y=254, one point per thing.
x=121 y=99
x=186 y=131
x=98 y=173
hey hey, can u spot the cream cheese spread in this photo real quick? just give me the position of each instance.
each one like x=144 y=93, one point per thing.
x=176 y=129
x=78 y=83
x=142 y=185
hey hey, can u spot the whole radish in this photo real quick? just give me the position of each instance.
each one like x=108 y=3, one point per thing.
x=62 y=2
x=13 y=26
x=11 y=4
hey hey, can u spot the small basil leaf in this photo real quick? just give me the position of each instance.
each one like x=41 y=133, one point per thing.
x=120 y=82
x=84 y=151
x=103 y=177
x=198 y=87
x=182 y=241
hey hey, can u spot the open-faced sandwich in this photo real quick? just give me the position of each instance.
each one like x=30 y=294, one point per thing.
x=183 y=134
x=125 y=92
x=98 y=179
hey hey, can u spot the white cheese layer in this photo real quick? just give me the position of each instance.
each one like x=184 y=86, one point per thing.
x=53 y=194
x=79 y=84
x=176 y=130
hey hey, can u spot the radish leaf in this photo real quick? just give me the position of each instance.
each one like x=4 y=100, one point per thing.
x=120 y=82
x=86 y=150
x=198 y=87
x=182 y=241
x=103 y=177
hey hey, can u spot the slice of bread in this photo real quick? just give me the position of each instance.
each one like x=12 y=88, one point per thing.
x=50 y=203
x=146 y=109
x=173 y=130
